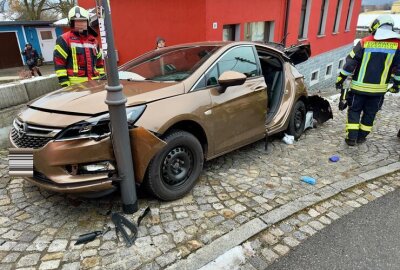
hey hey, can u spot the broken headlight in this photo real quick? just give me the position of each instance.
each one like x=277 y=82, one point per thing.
x=99 y=126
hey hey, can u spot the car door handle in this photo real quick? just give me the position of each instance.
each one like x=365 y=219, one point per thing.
x=260 y=88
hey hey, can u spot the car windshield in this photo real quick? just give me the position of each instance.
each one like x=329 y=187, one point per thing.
x=170 y=64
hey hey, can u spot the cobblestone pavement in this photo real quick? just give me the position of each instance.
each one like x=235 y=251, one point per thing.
x=38 y=229
x=277 y=241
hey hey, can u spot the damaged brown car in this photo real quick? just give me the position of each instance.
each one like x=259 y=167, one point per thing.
x=185 y=104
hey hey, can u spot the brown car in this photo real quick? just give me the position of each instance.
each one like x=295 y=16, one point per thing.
x=185 y=104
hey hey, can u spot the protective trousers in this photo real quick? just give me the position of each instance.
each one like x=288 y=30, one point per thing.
x=367 y=105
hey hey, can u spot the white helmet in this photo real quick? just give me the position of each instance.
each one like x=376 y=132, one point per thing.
x=381 y=20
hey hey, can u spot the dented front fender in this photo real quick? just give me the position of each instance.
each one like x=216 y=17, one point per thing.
x=144 y=146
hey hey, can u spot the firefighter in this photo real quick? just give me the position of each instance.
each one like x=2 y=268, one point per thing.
x=77 y=56
x=370 y=64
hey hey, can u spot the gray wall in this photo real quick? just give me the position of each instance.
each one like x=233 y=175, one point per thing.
x=319 y=63
x=14 y=96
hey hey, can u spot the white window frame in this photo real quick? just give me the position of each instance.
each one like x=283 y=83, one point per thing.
x=312 y=82
x=349 y=15
x=327 y=76
x=323 y=23
x=306 y=20
x=338 y=15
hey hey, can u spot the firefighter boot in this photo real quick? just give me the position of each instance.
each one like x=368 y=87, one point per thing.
x=350 y=142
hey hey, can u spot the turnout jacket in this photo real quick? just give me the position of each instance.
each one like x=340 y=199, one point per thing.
x=31 y=57
x=77 y=58
x=372 y=62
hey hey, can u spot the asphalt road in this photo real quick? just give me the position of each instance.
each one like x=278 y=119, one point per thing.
x=367 y=238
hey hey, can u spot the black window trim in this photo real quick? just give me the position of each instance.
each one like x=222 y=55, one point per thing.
x=193 y=88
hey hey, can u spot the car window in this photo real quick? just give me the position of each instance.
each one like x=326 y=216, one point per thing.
x=240 y=59
x=170 y=64
x=212 y=77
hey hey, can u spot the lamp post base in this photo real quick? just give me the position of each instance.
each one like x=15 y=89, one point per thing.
x=130 y=208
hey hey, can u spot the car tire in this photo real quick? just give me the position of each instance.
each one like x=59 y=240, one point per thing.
x=173 y=171
x=297 y=120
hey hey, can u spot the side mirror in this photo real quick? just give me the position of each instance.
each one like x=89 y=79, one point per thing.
x=231 y=78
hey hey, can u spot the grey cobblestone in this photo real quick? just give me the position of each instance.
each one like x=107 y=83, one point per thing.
x=275 y=247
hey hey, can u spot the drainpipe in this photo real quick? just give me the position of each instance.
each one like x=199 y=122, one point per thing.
x=118 y=120
x=285 y=33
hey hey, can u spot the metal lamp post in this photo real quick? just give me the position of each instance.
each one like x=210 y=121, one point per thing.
x=116 y=104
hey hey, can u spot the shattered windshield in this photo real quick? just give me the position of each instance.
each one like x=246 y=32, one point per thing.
x=175 y=64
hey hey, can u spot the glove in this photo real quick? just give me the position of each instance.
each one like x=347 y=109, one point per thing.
x=339 y=81
x=342 y=105
x=65 y=84
x=394 y=89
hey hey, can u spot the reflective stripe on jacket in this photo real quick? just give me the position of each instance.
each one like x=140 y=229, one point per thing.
x=77 y=58
x=372 y=62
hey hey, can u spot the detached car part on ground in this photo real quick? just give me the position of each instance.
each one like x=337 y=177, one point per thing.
x=185 y=104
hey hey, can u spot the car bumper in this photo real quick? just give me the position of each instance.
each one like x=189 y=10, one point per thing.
x=51 y=162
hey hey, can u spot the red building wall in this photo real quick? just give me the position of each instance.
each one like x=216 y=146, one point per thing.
x=330 y=40
x=240 y=12
x=137 y=23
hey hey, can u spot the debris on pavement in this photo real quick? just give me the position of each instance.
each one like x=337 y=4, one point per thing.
x=309 y=120
x=89 y=237
x=308 y=180
x=128 y=230
x=334 y=158
x=288 y=139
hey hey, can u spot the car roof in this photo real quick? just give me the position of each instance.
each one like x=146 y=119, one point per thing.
x=270 y=45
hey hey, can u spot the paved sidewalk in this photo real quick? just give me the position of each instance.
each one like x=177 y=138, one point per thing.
x=40 y=228
x=326 y=236
x=366 y=239
x=12 y=74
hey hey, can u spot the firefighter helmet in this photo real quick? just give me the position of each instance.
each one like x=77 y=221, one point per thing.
x=380 y=21
x=77 y=13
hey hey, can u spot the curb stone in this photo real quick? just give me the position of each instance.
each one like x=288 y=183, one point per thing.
x=226 y=242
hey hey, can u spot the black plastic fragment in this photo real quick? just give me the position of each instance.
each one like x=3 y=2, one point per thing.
x=128 y=230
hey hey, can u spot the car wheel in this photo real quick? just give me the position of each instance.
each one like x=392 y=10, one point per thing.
x=174 y=170
x=297 y=120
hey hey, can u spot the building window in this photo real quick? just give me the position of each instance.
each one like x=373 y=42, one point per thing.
x=304 y=18
x=349 y=15
x=341 y=64
x=328 y=71
x=324 y=13
x=314 y=77
x=45 y=35
x=337 y=16
x=259 y=31
x=231 y=32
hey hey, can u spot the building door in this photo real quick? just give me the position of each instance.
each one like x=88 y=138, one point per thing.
x=47 y=40
x=10 y=55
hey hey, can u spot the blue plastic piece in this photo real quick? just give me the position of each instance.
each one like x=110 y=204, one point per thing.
x=308 y=180
x=334 y=158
